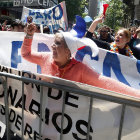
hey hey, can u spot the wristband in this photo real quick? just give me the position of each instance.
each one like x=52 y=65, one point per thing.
x=29 y=36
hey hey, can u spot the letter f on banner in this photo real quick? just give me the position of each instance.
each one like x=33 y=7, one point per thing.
x=15 y=58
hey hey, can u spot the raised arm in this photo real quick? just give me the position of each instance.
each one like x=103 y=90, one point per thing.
x=89 y=34
x=26 y=51
x=93 y=78
x=114 y=85
x=95 y=23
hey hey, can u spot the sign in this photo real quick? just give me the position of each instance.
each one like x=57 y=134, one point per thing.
x=106 y=115
x=54 y=17
x=119 y=67
x=45 y=3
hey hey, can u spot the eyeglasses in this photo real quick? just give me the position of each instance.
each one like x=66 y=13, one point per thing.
x=104 y=31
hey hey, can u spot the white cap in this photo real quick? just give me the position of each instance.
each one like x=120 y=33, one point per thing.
x=74 y=43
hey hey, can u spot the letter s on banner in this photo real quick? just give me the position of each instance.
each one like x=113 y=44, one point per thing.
x=79 y=129
x=69 y=124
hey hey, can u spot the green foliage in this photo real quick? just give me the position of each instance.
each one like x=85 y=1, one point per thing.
x=75 y=7
x=116 y=14
x=84 y=14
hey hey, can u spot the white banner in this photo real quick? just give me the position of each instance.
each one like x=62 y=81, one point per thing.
x=54 y=17
x=122 y=68
x=106 y=115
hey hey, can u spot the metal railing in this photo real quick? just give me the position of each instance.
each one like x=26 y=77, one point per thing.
x=116 y=98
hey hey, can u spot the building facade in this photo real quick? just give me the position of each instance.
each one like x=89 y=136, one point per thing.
x=12 y=9
x=137 y=9
x=95 y=7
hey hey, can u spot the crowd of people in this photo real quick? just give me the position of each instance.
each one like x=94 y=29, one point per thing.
x=124 y=41
x=60 y=62
x=19 y=26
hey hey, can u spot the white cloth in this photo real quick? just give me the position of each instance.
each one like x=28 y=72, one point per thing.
x=74 y=43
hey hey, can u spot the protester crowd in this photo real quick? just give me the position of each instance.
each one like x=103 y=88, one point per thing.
x=61 y=63
x=125 y=41
x=122 y=42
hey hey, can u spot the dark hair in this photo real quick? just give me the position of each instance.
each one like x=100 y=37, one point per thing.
x=46 y=29
x=60 y=28
x=55 y=31
x=105 y=27
x=20 y=23
x=14 y=23
x=29 y=19
x=132 y=28
x=37 y=26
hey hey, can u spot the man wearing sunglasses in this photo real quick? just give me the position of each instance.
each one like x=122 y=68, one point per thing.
x=105 y=34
